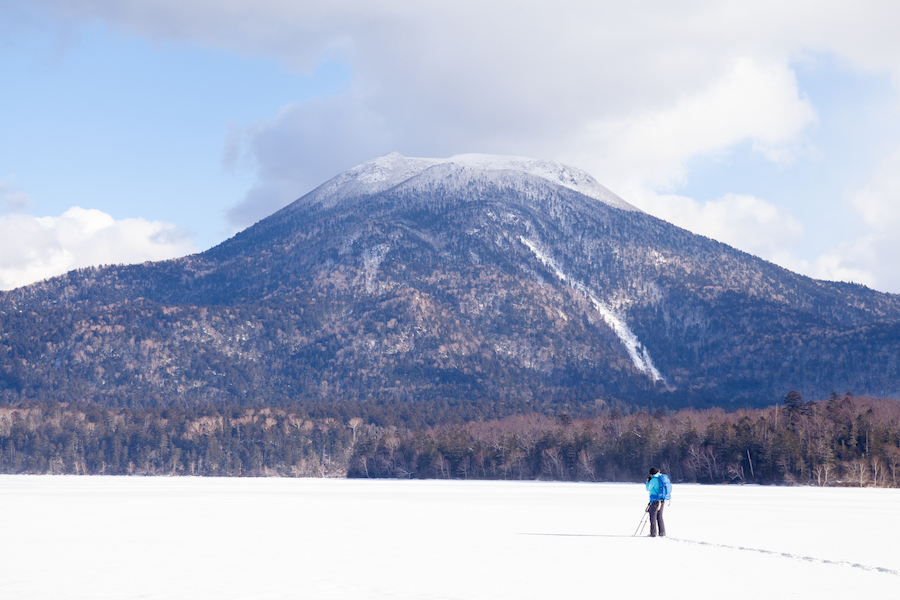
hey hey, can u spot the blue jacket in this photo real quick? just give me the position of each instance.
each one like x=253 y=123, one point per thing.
x=653 y=487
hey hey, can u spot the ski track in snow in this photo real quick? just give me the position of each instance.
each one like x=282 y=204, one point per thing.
x=639 y=355
x=810 y=559
x=825 y=561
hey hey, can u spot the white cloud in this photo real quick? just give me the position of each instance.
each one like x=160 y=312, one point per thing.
x=879 y=201
x=872 y=258
x=35 y=248
x=852 y=261
x=750 y=102
x=745 y=222
x=301 y=148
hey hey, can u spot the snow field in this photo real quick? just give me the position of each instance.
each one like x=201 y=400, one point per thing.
x=162 y=538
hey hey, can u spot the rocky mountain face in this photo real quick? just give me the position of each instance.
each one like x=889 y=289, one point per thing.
x=488 y=281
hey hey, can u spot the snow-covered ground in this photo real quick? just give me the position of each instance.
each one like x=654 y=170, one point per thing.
x=151 y=538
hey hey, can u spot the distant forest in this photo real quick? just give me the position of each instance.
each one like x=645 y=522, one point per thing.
x=843 y=440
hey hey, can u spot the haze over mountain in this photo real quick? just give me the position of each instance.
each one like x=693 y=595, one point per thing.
x=481 y=280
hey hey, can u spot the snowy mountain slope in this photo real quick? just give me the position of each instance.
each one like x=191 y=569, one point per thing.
x=638 y=354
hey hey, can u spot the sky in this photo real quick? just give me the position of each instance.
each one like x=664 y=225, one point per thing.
x=134 y=130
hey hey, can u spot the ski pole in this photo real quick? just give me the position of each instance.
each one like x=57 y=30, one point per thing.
x=642 y=524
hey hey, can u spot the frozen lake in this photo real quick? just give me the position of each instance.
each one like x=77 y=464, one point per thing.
x=120 y=538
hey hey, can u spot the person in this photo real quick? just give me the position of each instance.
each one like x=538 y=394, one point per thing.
x=655 y=508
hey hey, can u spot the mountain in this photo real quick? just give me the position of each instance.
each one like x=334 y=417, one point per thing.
x=495 y=283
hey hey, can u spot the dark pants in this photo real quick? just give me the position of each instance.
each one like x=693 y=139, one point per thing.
x=657 y=526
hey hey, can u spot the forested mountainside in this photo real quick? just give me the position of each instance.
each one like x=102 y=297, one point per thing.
x=471 y=286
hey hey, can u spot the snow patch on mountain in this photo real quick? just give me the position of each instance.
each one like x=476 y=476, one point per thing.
x=394 y=169
x=638 y=353
x=372 y=258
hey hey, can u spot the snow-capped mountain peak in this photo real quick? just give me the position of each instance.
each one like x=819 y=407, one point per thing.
x=390 y=170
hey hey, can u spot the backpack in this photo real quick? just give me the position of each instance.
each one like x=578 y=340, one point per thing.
x=665 y=487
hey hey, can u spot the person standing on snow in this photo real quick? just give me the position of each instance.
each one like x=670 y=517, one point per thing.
x=655 y=508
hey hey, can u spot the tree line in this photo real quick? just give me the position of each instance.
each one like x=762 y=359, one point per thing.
x=843 y=440
x=230 y=442
x=840 y=441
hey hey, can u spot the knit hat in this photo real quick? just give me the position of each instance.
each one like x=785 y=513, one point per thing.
x=654 y=470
